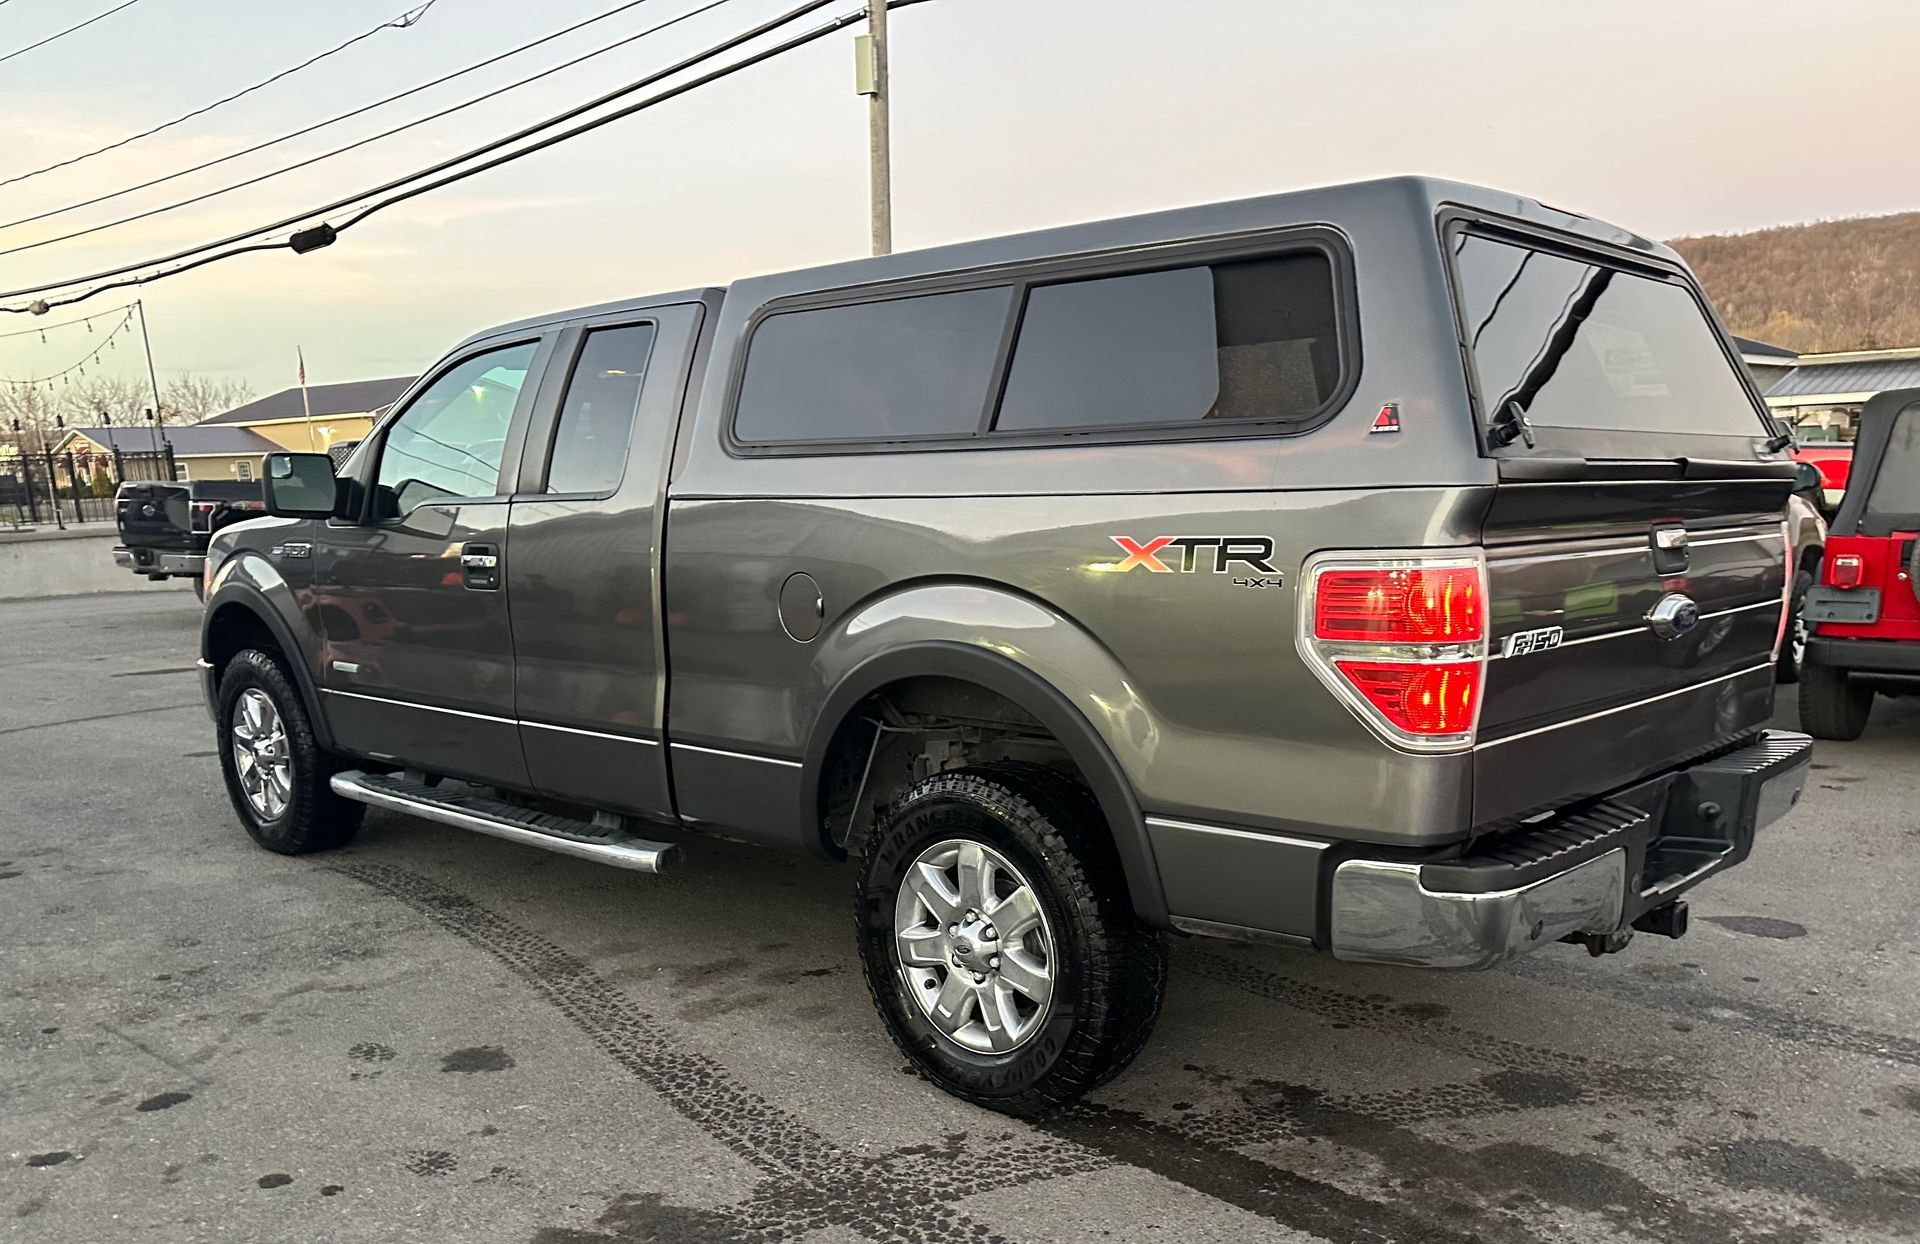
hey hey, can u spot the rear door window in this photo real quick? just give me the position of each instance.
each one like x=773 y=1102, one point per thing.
x=1582 y=347
x=905 y=368
x=595 y=426
x=1254 y=339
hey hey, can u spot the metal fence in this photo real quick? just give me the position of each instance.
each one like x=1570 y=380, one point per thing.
x=49 y=489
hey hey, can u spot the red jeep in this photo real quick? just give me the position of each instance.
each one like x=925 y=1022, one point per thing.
x=1865 y=612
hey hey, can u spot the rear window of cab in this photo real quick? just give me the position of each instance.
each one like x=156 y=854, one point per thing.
x=1237 y=346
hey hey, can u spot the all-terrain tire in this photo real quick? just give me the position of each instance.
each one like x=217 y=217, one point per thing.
x=313 y=818
x=1833 y=706
x=1109 y=970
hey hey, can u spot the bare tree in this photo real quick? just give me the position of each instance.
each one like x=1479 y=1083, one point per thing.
x=188 y=398
x=27 y=417
x=96 y=400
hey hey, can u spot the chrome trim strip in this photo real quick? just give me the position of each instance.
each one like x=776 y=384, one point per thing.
x=425 y=708
x=1238 y=933
x=639 y=856
x=718 y=751
x=1638 y=546
x=1775 y=603
x=1167 y=822
x=592 y=734
x=1618 y=483
x=1641 y=630
x=349 y=668
x=1382 y=913
x=1621 y=708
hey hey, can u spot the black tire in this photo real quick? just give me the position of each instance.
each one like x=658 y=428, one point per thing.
x=199 y=589
x=1833 y=706
x=313 y=818
x=1793 y=645
x=1109 y=970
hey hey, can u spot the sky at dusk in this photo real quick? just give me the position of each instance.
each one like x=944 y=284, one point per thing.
x=1677 y=117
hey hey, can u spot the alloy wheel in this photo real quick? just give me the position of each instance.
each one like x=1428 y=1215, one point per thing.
x=974 y=946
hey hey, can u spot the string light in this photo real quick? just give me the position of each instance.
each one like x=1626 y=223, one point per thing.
x=66 y=376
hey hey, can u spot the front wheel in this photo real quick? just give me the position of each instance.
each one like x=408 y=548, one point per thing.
x=1833 y=706
x=277 y=775
x=998 y=941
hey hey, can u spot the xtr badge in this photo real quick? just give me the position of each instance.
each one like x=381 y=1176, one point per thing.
x=1221 y=554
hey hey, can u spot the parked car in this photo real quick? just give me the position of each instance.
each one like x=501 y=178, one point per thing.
x=164 y=527
x=1865 y=613
x=1081 y=586
x=1834 y=461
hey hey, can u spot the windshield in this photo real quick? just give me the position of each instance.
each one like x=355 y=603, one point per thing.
x=1579 y=346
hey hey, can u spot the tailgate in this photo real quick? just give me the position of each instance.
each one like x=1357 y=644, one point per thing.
x=1592 y=682
x=1636 y=543
x=153 y=515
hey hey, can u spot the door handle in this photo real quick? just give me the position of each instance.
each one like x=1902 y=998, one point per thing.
x=480 y=567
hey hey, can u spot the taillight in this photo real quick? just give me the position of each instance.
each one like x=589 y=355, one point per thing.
x=1416 y=604
x=1402 y=641
x=1845 y=570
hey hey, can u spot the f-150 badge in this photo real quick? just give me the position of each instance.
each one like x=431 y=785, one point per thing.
x=1520 y=643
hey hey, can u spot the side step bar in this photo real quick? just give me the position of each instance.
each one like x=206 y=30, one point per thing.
x=481 y=814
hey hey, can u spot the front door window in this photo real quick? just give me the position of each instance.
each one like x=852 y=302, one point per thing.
x=449 y=442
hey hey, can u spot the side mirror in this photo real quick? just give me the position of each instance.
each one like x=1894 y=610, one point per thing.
x=1806 y=479
x=300 y=486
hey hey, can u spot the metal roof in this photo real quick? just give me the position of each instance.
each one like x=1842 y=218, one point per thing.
x=352 y=397
x=189 y=441
x=1873 y=376
x=1748 y=345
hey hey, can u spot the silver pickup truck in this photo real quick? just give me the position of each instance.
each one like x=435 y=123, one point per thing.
x=1397 y=570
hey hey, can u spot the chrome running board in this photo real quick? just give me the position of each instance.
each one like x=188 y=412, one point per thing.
x=481 y=814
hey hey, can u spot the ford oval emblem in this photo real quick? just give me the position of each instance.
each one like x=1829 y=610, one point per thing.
x=1674 y=616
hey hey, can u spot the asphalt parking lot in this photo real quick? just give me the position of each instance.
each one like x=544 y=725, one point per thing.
x=437 y=1036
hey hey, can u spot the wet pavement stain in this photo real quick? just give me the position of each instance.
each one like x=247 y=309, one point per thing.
x=163 y=1101
x=49 y=1159
x=332 y=1189
x=279 y=1179
x=1759 y=926
x=477 y=1058
x=432 y=1163
x=1889 y=1199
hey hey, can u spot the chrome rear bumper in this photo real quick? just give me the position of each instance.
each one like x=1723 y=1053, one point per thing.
x=1594 y=871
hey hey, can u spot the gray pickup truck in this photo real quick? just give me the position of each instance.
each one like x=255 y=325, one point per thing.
x=1397 y=570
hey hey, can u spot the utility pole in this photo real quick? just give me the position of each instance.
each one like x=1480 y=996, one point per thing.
x=871 y=81
x=159 y=413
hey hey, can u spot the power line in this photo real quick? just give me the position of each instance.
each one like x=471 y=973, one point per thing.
x=319 y=125
x=124 y=4
x=44 y=329
x=322 y=234
x=402 y=22
x=358 y=143
x=106 y=343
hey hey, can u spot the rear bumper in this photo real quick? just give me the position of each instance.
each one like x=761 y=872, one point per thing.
x=159 y=561
x=1868 y=656
x=1592 y=871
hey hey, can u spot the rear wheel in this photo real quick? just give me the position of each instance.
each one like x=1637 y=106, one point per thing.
x=276 y=772
x=1833 y=706
x=998 y=942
